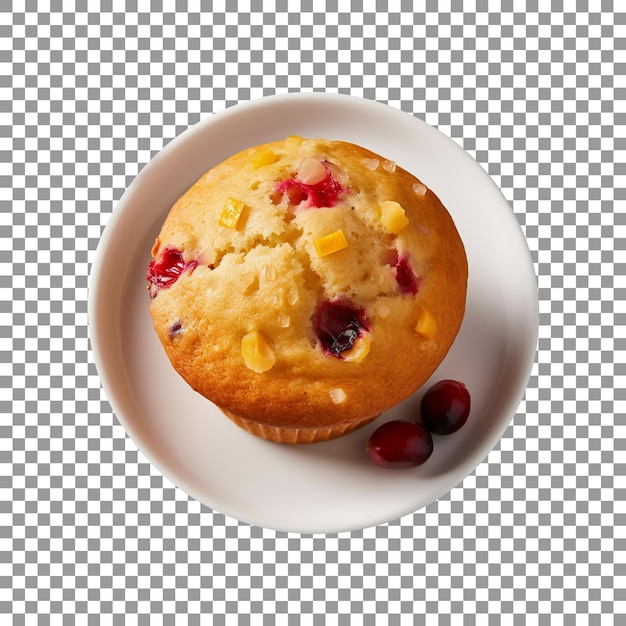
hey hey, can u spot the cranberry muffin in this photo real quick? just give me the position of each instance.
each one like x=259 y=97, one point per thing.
x=306 y=286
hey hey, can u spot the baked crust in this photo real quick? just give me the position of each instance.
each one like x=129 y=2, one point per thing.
x=266 y=275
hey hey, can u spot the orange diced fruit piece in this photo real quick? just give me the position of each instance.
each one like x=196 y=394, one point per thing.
x=426 y=325
x=331 y=243
x=261 y=157
x=231 y=213
x=392 y=216
x=257 y=353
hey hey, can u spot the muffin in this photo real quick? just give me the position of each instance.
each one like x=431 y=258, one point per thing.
x=306 y=286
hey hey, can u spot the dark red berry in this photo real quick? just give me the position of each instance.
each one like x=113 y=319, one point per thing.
x=338 y=324
x=166 y=270
x=407 y=280
x=445 y=407
x=323 y=194
x=175 y=329
x=398 y=444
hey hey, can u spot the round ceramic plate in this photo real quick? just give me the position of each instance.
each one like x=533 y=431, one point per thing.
x=331 y=486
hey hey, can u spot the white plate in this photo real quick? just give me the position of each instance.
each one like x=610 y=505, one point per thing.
x=331 y=486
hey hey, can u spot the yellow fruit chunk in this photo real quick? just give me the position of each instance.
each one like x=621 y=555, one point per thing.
x=426 y=325
x=359 y=350
x=261 y=157
x=331 y=243
x=293 y=141
x=231 y=213
x=257 y=352
x=392 y=216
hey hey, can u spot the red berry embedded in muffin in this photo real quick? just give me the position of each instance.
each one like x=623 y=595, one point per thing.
x=163 y=272
x=175 y=329
x=313 y=186
x=407 y=280
x=339 y=325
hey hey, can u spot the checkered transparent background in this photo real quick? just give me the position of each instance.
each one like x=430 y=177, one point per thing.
x=91 y=532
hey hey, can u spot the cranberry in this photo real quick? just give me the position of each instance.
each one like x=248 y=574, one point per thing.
x=445 y=407
x=175 y=329
x=338 y=324
x=323 y=194
x=407 y=280
x=398 y=444
x=405 y=276
x=165 y=271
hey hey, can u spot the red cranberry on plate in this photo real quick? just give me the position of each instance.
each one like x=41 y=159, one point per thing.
x=445 y=407
x=399 y=444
